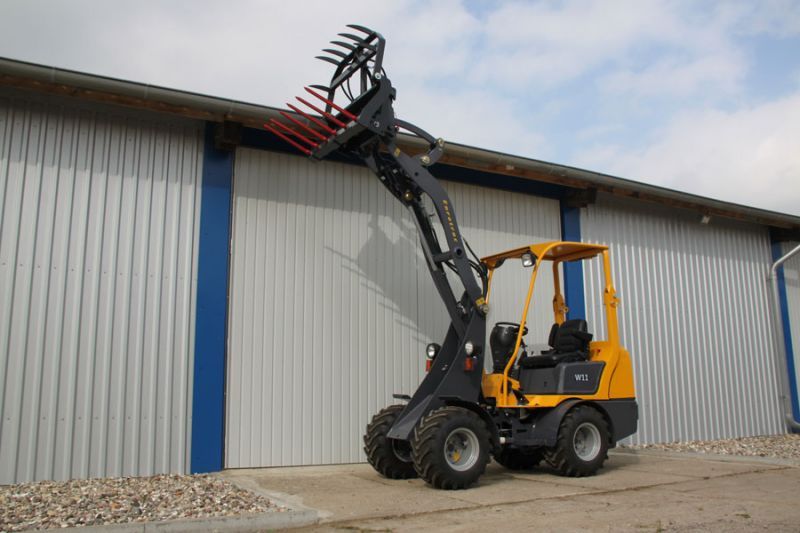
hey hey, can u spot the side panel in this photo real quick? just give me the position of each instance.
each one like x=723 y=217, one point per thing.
x=98 y=237
x=694 y=316
x=332 y=304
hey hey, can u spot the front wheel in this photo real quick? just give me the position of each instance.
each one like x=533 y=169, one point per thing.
x=390 y=457
x=582 y=445
x=450 y=448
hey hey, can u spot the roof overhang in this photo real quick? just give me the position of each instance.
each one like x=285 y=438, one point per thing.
x=29 y=76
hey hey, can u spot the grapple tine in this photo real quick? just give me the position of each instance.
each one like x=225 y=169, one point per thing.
x=321 y=88
x=312 y=131
x=323 y=113
x=311 y=119
x=341 y=110
x=288 y=140
x=336 y=52
x=290 y=131
x=328 y=59
x=360 y=28
x=362 y=43
x=344 y=45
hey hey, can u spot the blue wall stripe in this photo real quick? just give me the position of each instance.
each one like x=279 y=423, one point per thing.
x=573 y=272
x=777 y=253
x=208 y=404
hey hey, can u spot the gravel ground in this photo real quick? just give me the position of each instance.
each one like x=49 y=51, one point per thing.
x=780 y=446
x=95 y=502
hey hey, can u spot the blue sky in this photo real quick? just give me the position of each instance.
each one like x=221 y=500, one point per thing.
x=699 y=96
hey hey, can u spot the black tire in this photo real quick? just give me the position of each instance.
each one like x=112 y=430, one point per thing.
x=450 y=448
x=389 y=457
x=582 y=445
x=517 y=459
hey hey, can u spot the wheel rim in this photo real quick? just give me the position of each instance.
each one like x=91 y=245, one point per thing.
x=587 y=442
x=402 y=450
x=461 y=449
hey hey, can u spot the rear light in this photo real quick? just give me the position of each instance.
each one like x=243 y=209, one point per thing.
x=469 y=364
x=428 y=365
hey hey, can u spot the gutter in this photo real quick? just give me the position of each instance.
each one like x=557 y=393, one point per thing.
x=780 y=334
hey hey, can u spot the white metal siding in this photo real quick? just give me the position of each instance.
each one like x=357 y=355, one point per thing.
x=97 y=270
x=332 y=305
x=694 y=316
x=791 y=275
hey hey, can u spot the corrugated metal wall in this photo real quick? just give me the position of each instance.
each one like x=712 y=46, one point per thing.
x=332 y=305
x=694 y=316
x=97 y=269
x=791 y=276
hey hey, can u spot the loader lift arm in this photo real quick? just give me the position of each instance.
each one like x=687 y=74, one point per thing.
x=366 y=129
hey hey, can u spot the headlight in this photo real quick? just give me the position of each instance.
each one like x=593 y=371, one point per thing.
x=432 y=350
x=527 y=260
x=469 y=347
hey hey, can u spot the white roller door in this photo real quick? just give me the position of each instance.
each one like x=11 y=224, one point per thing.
x=331 y=304
x=98 y=255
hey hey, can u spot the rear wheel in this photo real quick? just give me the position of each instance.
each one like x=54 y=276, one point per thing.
x=582 y=445
x=517 y=459
x=390 y=457
x=450 y=448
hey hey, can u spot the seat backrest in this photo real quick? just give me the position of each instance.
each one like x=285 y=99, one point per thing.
x=551 y=340
x=572 y=336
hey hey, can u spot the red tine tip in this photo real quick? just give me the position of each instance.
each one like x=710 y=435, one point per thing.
x=312 y=119
x=323 y=113
x=341 y=110
x=313 y=132
x=290 y=131
x=288 y=140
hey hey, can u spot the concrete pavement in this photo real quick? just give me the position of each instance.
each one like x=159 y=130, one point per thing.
x=635 y=492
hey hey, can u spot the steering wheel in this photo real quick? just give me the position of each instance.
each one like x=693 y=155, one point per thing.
x=514 y=325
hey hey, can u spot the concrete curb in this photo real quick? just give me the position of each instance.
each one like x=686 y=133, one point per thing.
x=255 y=522
x=775 y=461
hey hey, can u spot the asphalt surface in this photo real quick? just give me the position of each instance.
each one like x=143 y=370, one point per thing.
x=636 y=491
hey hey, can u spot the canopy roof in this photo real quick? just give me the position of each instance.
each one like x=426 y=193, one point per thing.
x=548 y=251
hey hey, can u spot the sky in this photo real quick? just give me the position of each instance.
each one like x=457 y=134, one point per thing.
x=703 y=97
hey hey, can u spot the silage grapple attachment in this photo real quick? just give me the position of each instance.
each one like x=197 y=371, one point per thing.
x=360 y=87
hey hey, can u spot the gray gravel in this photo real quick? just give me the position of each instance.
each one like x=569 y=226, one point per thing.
x=779 y=446
x=96 y=502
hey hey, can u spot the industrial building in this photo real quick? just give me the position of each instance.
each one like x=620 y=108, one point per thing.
x=180 y=292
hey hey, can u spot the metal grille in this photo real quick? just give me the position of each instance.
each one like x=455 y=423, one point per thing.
x=331 y=303
x=97 y=269
x=694 y=316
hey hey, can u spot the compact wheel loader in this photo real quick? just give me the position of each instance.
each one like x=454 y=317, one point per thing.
x=566 y=405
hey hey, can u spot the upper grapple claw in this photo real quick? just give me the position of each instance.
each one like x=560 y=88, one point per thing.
x=328 y=59
x=360 y=28
x=335 y=52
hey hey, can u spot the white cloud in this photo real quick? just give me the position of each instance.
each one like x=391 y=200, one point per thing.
x=710 y=74
x=775 y=17
x=749 y=156
x=472 y=116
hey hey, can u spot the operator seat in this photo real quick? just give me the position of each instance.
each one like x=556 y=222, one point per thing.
x=569 y=342
x=502 y=341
